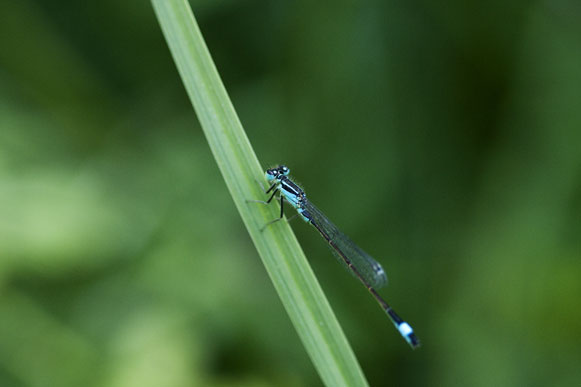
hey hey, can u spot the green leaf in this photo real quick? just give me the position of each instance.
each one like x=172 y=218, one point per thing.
x=281 y=254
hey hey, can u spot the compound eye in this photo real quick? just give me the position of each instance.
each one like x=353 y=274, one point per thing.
x=284 y=170
x=271 y=174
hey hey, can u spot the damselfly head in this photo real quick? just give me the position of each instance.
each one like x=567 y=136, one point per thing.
x=276 y=173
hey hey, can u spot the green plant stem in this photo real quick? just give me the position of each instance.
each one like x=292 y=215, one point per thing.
x=281 y=254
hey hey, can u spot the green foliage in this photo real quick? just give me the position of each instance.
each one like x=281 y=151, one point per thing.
x=443 y=140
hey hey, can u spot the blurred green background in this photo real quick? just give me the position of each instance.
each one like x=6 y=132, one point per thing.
x=443 y=138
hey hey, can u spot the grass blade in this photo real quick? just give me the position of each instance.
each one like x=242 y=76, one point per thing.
x=281 y=254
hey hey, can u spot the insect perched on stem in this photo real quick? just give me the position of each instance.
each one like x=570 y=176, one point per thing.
x=361 y=264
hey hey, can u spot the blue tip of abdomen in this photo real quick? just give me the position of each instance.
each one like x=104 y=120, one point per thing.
x=408 y=334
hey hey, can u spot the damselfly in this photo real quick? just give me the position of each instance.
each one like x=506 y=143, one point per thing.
x=361 y=265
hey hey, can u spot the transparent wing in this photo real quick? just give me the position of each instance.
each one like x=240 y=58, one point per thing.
x=369 y=268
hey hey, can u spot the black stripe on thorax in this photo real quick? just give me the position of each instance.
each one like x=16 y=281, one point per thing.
x=291 y=187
